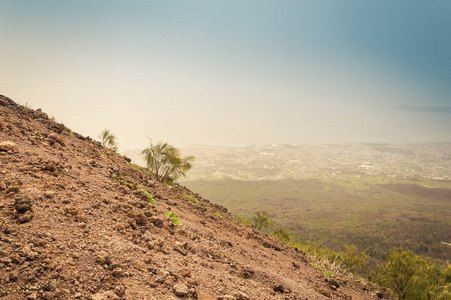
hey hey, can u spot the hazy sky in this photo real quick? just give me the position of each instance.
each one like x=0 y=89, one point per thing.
x=233 y=72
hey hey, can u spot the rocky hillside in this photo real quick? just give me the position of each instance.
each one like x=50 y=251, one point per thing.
x=77 y=222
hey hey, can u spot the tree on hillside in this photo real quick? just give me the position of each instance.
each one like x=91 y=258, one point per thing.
x=261 y=220
x=108 y=139
x=165 y=163
x=410 y=276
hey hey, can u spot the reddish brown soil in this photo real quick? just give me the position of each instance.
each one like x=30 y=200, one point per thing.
x=71 y=228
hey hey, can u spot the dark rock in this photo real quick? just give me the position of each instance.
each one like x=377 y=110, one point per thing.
x=39 y=114
x=226 y=297
x=50 y=286
x=141 y=219
x=3 y=185
x=280 y=288
x=157 y=222
x=247 y=273
x=13 y=190
x=22 y=204
x=333 y=284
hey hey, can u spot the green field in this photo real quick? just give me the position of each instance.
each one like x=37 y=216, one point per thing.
x=375 y=214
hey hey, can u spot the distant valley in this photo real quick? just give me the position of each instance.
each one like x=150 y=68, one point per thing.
x=376 y=196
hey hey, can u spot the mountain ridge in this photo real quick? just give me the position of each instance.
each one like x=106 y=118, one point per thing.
x=77 y=222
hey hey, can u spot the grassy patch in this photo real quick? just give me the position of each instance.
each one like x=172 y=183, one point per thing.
x=151 y=199
x=173 y=217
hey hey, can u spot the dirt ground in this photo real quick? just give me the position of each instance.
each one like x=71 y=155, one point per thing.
x=76 y=223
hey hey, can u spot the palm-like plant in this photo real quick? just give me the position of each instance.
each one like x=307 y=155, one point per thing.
x=261 y=220
x=165 y=163
x=108 y=139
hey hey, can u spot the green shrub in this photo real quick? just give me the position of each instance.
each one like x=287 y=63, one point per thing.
x=165 y=163
x=354 y=260
x=218 y=215
x=108 y=140
x=190 y=198
x=410 y=276
x=244 y=221
x=261 y=220
x=173 y=217
x=283 y=235
x=151 y=199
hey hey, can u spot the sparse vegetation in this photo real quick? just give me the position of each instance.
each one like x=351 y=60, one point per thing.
x=173 y=217
x=261 y=220
x=151 y=199
x=164 y=162
x=218 y=216
x=374 y=218
x=108 y=140
x=244 y=221
x=283 y=235
x=190 y=198
x=412 y=276
x=132 y=186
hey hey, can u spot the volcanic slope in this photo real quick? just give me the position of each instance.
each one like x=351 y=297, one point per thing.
x=77 y=222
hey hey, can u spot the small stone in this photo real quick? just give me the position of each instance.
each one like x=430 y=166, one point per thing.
x=25 y=217
x=141 y=219
x=39 y=114
x=6 y=260
x=110 y=295
x=241 y=296
x=8 y=146
x=226 y=297
x=102 y=258
x=156 y=221
x=185 y=273
x=203 y=296
x=147 y=236
x=32 y=296
x=118 y=272
x=181 y=249
x=28 y=253
x=50 y=286
x=161 y=276
x=22 y=204
x=3 y=186
x=181 y=290
x=279 y=288
x=78 y=295
x=49 y=194
x=333 y=284
x=13 y=190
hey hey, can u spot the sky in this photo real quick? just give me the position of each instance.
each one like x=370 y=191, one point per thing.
x=233 y=73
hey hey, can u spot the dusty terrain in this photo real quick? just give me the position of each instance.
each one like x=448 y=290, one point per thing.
x=76 y=223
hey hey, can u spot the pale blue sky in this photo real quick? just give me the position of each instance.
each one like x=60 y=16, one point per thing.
x=233 y=72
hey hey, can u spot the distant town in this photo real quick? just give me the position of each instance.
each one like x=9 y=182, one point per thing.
x=275 y=162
